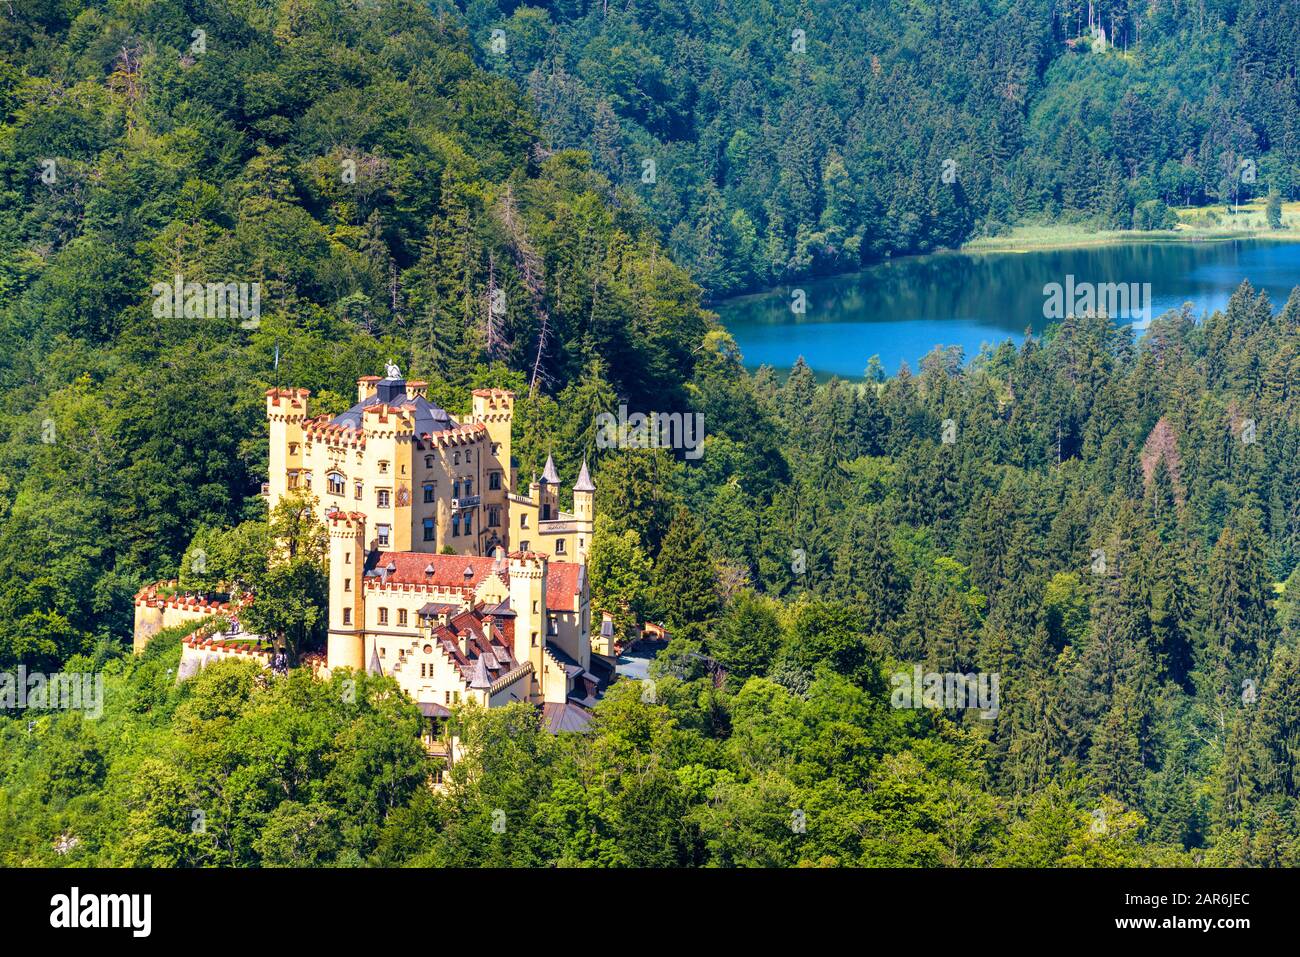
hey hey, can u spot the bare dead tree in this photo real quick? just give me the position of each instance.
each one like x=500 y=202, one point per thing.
x=530 y=267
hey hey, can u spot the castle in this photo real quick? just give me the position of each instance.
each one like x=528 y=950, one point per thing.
x=440 y=574
x=428 y=482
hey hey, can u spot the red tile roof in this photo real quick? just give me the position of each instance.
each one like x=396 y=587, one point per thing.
x=562 y=578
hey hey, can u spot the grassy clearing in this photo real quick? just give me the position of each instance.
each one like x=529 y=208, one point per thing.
x=1195 y=224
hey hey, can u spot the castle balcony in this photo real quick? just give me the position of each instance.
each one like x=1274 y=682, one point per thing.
x=465 y=501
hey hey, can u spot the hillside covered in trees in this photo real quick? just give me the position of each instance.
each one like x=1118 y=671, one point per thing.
x=790 y=138
x=1082 y=515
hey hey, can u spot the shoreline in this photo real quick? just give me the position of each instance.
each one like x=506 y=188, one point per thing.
x=1024 y=240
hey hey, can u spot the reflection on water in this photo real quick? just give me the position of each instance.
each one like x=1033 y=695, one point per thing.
x=901 y=310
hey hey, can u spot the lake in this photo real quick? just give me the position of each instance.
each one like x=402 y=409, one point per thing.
x=902 y=309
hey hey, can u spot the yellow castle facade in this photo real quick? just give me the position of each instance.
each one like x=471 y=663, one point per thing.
x=425 y=480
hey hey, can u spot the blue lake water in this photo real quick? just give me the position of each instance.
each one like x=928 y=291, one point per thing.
x=900 y=310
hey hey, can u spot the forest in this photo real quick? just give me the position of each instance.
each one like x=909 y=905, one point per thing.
x=789 y=138
x=1107 y=522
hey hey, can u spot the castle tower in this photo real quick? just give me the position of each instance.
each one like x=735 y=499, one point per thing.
x=286 y=410
x=347 y=555
x=584 y=511
x=390 y=439
x=495 y=408
x=550 y=491
x=528 y=602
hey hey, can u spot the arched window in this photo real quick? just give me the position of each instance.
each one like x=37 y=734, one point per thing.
x=337 y=483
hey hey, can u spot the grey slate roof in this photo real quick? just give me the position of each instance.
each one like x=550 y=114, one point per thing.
x=584 y=480
x=565 y=717
x=392 y=392
x=549 y=475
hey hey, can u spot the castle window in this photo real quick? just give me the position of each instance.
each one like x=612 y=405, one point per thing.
x=455 y=525
x=383 y=616
x=306 y=479
x=523 y=546
x=360 y=488
x=428 y=493
x=559 y=547
x=494 y=481
x=581 y=542
x=403 y=469
x=550 y=625
x=534 y=639
x=293 y=448
x=347 y=558
x=381 y=532
x=401 y=616
x=469 y=521
x=337 y=483
x=422 y=669
x=455 y=458
x=546 y=513
x=534 y=607
x=382 y=497
x=428 y=529
x=469 y=487
x=383 y=468
x=496 y=448
x=446 y=697
x=494 y=516
x=455 y=489
x=523 y=521
x=428 y=461
x=468 y=455
x=347 y=616
x=347 y=584
x=293 y=479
